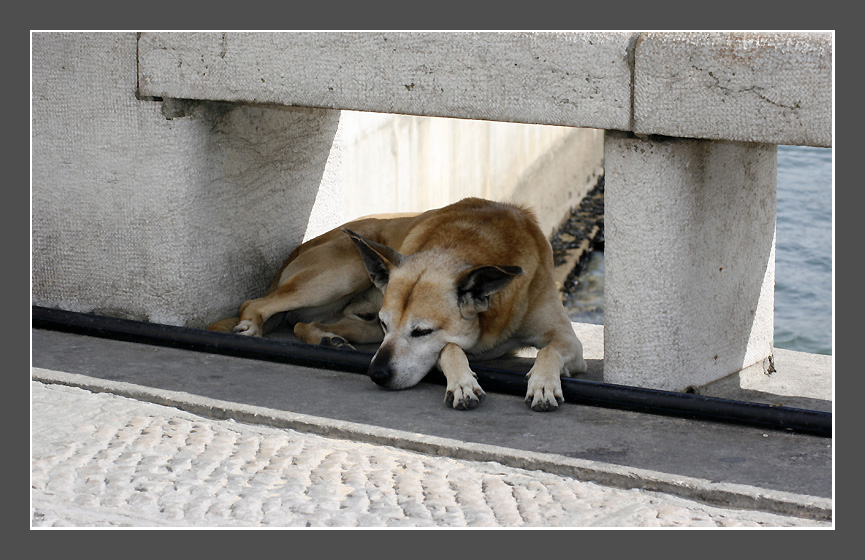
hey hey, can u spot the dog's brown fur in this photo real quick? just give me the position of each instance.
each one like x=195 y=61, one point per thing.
x=470 y=279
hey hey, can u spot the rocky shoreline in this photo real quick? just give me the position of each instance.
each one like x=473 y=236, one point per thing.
x=577 y=238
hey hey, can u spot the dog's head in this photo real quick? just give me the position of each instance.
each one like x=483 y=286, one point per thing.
x=429 y=300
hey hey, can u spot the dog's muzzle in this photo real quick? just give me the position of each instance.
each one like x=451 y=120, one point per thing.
x=383 y=372
x=380 y=373
x=379 y=369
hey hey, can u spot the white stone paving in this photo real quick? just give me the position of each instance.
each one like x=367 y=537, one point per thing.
x=100 y=460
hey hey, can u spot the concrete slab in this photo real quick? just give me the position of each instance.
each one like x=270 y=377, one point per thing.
x=99 y=459
x=798 y=468
x=751 y=87
x=572 y=79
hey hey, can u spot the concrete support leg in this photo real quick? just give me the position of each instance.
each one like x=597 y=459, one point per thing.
x=690 y=260
x=167 y=211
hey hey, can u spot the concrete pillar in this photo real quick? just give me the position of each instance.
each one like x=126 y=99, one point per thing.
x=690 y=259
x=165 y=211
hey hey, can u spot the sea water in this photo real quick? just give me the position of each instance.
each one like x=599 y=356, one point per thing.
x=803 y=256
x=803 y=250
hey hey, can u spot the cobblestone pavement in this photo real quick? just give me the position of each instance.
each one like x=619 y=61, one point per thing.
x=100 y=460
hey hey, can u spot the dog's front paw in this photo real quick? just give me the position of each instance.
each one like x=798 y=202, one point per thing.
x=465 y=396
x=544 y=395
x=247 y=328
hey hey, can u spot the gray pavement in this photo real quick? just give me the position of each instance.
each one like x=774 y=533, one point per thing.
x=136 y=435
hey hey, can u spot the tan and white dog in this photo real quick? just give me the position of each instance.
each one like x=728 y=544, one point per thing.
x=473 y=279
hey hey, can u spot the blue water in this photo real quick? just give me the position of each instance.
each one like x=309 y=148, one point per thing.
x=803 y=256
x=803 y=250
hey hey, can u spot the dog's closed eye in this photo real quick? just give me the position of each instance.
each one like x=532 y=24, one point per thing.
x=417 y=333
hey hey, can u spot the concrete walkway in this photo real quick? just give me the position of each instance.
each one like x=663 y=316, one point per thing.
x=136 y=435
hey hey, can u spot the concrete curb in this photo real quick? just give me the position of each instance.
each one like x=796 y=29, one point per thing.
x=735 y=496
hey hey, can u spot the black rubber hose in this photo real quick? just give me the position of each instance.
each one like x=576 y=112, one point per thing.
x=575 y=391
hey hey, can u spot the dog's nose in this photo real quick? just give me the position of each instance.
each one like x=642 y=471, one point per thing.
x=380 y=373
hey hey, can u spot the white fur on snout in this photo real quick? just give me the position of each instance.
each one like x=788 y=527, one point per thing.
x=411 y=359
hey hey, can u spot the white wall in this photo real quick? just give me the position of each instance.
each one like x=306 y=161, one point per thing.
x=399 y=163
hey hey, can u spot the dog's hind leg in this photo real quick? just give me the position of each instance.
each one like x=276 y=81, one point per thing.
x=341 y=334
x=359 y=324
x=229 y=325
x=224 y=325
x=304 y=290
x=319 y=277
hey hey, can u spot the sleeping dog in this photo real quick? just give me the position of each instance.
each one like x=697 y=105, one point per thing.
x=470 y=280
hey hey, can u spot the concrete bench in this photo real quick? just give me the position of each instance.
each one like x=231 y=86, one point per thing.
x=692 y=121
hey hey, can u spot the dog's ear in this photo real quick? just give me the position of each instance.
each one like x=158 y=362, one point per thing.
x=477 y=284
x=378 y=259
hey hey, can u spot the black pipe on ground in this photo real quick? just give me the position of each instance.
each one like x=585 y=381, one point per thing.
x=575 y=391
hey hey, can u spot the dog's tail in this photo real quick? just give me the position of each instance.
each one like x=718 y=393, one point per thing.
x=224 y=325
